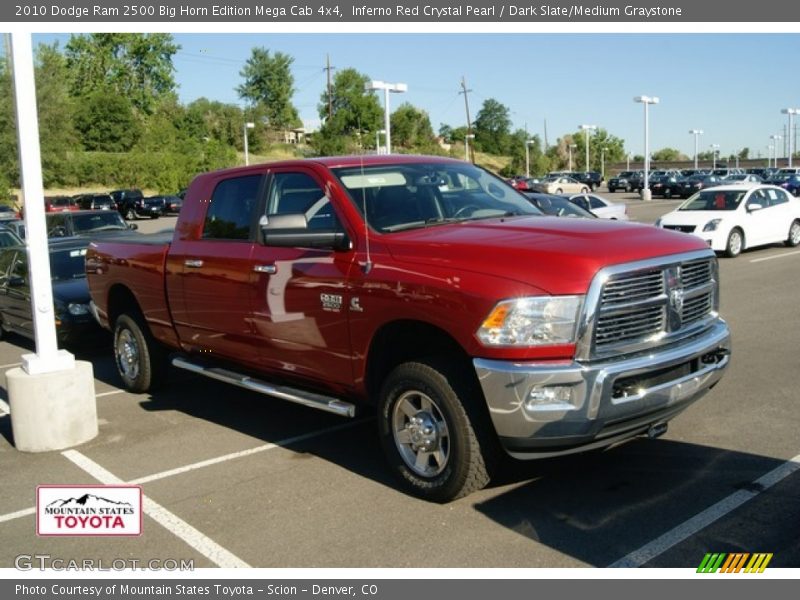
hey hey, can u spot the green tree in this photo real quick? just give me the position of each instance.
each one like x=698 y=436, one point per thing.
x=106 y=122
x=356 y=112
x=492 y=127
x=137 y=66
x=9 y=165
x=668 y=155
x=539 y=163
x=205 y=118
x=269 y=85
x=411 y=128
x=603 y=147
x=744 y=153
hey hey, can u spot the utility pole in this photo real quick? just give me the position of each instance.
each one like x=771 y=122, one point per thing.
x=329 y=68
x=465 y=91
x=546 y=146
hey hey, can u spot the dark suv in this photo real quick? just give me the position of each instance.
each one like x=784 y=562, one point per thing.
x=131 y=205
x=625 y=181
x=95 y=202
x=591 y=178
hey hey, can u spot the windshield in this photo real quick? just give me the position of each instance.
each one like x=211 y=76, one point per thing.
x=714 y=200
x=68 y=264
x=407 y=196
x=98 y=221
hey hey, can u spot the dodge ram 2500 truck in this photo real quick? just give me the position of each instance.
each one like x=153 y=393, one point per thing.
x=429 y=289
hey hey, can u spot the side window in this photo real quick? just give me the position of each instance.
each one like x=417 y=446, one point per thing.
x=6 y=260
x=20 y=267
x=57 y=226
x=595 y=203
x=230 y=213
x=778 y=197
x=293 y=193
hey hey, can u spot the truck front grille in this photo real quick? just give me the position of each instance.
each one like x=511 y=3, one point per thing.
x=651 y=305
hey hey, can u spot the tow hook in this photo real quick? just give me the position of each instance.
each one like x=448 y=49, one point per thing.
x=656 y=430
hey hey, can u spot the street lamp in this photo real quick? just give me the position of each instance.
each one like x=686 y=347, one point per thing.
x=696 y=133
x=570 y=147
x=776 y=138
x=714 y=150
x=247 y=126
x=769 y=155
x=397 y=88
x=791 y=112
x=586 y=129
x=378 y=135
x=467 y=138
x=647 y=101
x=528 y=158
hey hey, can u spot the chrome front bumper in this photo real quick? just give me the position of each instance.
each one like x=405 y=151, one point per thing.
x=600 y=403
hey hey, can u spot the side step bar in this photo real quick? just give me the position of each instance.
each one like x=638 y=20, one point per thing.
x=310 y=399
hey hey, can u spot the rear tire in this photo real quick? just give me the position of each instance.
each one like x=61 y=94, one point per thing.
x=432 y=432
x=140 y=359
x=735 y=243
x=130 y=215
x=794 y=234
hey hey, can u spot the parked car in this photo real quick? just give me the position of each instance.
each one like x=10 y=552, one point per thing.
x=688 y=186
x=622 y=181
x=95 y=202
x=7 y=213
x=591 y=178
x=9 y=237
x=663 y=185
x=557 y=206
x=86 y=223
x=742 y=179
x=74 y=322
x=597 y=205
x=791 y=184
x=731 y=218
x=59 y=203
x=169 y=205
x=560 y=185
x=131 y=205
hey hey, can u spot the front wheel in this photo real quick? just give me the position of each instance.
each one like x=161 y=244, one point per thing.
x=139 y=358
x=130 y=215
x=584 y=190
x=735 y=243
x=432 y=433
x=794 y=234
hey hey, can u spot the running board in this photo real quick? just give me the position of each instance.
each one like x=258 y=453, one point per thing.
x=310 y=399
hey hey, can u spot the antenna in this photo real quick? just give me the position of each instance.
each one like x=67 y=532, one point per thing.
x=367 y=266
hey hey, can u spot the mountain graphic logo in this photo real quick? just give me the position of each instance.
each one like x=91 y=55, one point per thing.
x=86 y=501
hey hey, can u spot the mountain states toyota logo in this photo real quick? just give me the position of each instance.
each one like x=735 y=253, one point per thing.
x=88 y=510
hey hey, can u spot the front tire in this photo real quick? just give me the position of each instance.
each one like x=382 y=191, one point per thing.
x=139 y=358
x=735 y=243
x=794 y=234
x=432 y=432
x=130 y=215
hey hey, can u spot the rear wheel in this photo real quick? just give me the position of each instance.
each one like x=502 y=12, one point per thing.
x=794 y=234
x=584 y=190
x=140 y=360
x=432 y=433
x=735 y=243
x=130 y=215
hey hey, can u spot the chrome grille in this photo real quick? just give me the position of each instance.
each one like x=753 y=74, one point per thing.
x=640 y=308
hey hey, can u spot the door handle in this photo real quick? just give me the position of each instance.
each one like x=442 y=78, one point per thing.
x=193 y=263
x=268 y=269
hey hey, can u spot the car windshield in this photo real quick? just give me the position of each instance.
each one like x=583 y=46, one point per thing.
x=99 y=221
x=411 y=195
x=714 y=200
x=67 y=264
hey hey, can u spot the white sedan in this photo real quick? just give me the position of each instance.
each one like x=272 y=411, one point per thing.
x=560 y=185
x=731 y=218
x=605 y=209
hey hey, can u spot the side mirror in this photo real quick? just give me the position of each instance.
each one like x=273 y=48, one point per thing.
x=291 y=231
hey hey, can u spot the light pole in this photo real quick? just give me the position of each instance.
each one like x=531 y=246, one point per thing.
x=791 y=112
x=528 y=157
x=570 y=147
x=769 y=156
x=397 y=88
x=467 y=138
x=775 y=139
x=378 y=134
x=628 y=161
x=696 y=133
x=603 y=163
x=714 y=150
x=647 y=101
x=586 y=130
x=247 y=126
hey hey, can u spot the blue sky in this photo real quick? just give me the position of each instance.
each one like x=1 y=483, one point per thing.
x=732 y=86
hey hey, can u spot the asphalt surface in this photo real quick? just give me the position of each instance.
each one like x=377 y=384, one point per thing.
x=270 y=484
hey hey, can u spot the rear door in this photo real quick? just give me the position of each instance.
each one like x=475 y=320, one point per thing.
x=300 y=296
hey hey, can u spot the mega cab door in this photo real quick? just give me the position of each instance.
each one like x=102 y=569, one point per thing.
x=300 y=296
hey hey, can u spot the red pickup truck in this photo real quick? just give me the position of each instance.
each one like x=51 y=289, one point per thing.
x=430 y=290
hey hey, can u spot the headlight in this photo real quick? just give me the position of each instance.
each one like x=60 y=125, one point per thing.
x=536 y=321
x=712 y=225
x=78 y=309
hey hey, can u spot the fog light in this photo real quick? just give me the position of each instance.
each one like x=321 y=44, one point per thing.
x=556 y=397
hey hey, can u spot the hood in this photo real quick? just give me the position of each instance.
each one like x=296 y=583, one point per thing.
x=555 y=254
x=695 y=217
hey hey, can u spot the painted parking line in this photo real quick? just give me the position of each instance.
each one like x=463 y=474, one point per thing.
x=169 y=521
x=6 y=409
x=111 y=393
x=11 y=365
x=234 y=455
x=658 y=546
x=18 y=515
x=785 y=254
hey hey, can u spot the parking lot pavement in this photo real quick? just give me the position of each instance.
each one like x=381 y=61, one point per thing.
x=236 y=479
